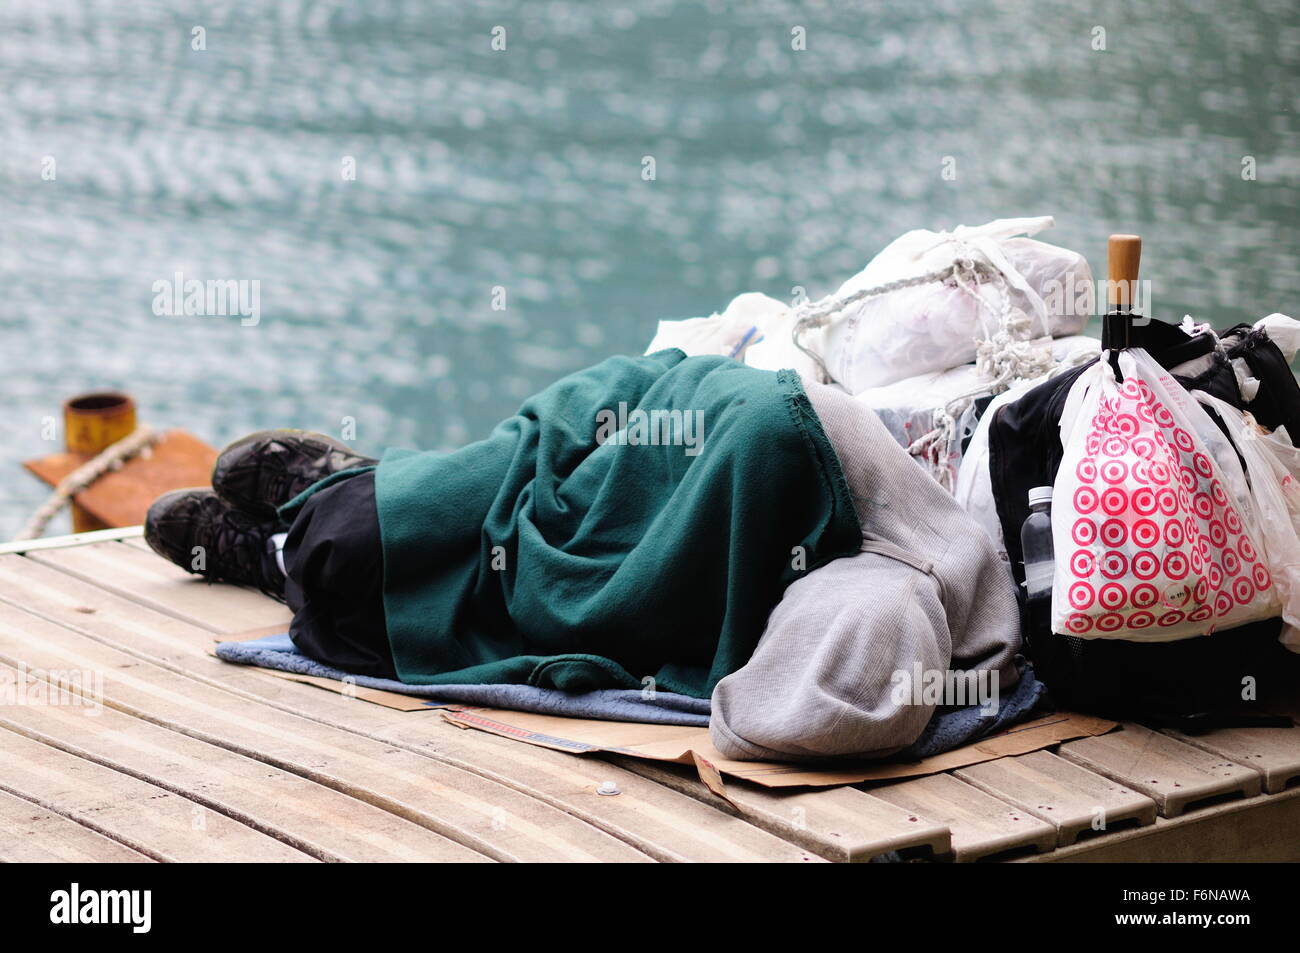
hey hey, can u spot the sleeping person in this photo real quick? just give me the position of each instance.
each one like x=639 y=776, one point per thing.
x=661 y=523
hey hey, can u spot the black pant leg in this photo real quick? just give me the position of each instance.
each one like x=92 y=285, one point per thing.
x=334 y=558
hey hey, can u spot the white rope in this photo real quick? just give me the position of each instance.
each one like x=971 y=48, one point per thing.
x=112 y=457
x=816 y=314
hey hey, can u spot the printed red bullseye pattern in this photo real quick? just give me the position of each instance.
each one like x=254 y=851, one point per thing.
x=1156 y=542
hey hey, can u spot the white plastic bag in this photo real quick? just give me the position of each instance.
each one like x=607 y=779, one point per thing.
x=1156 y=535
x=1282 y=331
x=907 y=407
x=777 y=349
x=1284 y=450
x=754 y=328
x=974 y=488
x=936 y=325
x=743 y=324
x=1276 y=495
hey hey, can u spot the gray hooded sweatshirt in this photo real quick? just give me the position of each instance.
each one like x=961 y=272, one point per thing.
x=835 y=673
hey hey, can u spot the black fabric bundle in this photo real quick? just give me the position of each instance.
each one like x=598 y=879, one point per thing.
x=1186 y=682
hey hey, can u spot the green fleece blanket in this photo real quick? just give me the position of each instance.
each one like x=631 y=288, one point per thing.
x=636 y=520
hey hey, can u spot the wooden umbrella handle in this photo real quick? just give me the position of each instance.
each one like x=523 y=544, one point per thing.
x=1123 y=255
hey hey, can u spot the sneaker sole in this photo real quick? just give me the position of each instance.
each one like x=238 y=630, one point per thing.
x=156 y=509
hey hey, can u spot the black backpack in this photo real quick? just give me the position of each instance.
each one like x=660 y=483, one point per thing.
x=1187 y=683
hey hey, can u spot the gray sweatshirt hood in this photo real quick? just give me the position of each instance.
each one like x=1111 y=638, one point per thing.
x=899 y=504
x=927 y=592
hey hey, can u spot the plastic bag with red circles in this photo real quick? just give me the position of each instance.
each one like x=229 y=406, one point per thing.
x=1155 y=532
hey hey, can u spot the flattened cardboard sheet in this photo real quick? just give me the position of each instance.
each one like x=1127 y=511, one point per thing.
x=692 y=746
x=685 y=745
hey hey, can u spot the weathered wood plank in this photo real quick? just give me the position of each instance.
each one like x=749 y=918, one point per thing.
x=1262 y=829
x=679 y=828
x=664 y=823
x=1072 y=799
x=334 y=709
x=981 y=825
x=840 y=824
x=483 y=815
x=317 y=820
x=1172 y=774
x=1274 y=752
x=147 y=818
x=147 y=579
x=30 y=834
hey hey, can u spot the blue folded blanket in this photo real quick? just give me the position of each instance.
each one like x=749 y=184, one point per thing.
x=608 y=704
x=949 y=728
x=953 y=727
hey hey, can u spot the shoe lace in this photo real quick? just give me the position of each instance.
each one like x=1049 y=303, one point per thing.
x=240 y=547
x=287 y=474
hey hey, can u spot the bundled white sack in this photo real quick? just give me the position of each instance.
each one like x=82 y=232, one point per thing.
x=1027 y=290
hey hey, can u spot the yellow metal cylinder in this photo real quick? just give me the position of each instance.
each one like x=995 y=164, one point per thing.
x=92 y=422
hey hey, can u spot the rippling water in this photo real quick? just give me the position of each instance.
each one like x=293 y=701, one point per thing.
x=522 y=169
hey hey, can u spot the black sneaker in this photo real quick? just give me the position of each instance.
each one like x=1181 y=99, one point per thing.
x=261 y=472
x=203 y=534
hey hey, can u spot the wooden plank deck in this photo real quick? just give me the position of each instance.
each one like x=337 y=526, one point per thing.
x=158 y=751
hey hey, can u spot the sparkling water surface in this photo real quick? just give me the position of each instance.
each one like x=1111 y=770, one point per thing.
x=521 y=170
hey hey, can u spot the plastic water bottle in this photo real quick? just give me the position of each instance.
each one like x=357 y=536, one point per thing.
x=1040 y=563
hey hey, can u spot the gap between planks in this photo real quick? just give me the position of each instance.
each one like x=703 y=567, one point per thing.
x=196 y=611
x=312 y=818
x=824 y=827
x=31 y=834
x=476 y=813
x=186 y=663
x=148 y=819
